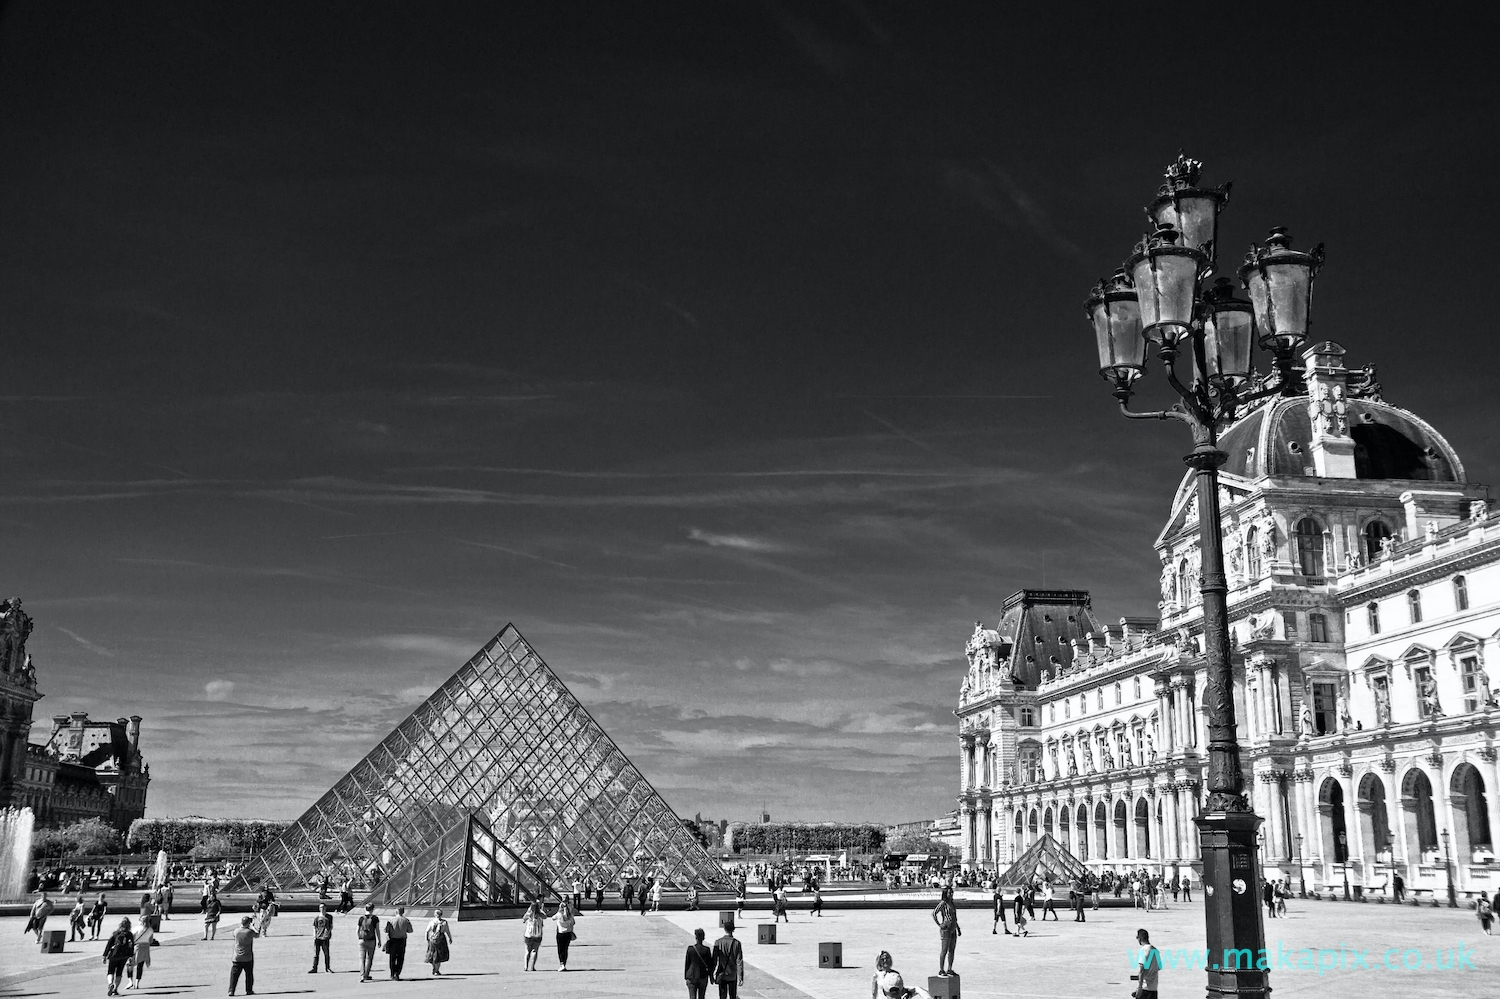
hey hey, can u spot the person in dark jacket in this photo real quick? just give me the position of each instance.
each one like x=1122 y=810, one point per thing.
x=118 y=950
x=698 y=967
x=729 y=963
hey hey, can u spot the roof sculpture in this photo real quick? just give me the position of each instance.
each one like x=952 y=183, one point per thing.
x=502 y=739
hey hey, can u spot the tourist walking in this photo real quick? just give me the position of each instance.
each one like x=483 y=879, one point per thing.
x=999 y=901
x=322 y=940
x=1398 y=888
x=167 y=894
x=1268 y=896
x=656 y=895
x=439 y=936
x=643 y=896
x=628 y=892
x=1080 y=893
x=266 y=907
x=346 y=899
x=243 y=961
x=565 y=935
x=577 y=895
x=119 y=950
x=729 y=963
x=76 y=919
x=778 y=905
x=1047 y=896
x=397 y=929
x=599 y=895
x=817 y=905
x=1187 y=886
x=1176 y=888
x=143 y=942
x=698 y=967
x=212 y=907
x=1283 y=892
x=368 y=932
x=946 y=918
x=40 y=910
x=531 y=932
x=1148 y=966
x=96 y=917
x=1020 y=914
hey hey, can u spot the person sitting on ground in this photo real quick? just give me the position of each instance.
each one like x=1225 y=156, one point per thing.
x=887 y=983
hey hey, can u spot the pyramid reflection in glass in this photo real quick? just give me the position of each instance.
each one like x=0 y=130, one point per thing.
x=500 y=782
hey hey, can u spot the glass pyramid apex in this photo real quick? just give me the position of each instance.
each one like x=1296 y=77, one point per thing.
x=505 y=740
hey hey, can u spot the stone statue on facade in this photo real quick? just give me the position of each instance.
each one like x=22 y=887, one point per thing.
x=1166 y=583
x=1268 y=538
x=1352 y=560
x=1479 y=509
x=1382 y=703
x=1072 y=763
x=1150 y=744
x=1387 y=547
x=1236 y=563
x=1125 y=757
x=1431 y=531
x=1088 y=757
x=15 y=628
x=1263 y=626
x=1307 y=719
x=1428 y=695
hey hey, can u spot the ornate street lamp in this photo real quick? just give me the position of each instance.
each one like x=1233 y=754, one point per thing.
x=1158 y=299
x=1448 y=867
x=1301 y=871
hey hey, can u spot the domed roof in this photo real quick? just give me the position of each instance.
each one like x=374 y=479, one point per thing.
x=1389 y=443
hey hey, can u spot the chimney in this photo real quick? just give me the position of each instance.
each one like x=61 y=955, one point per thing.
x=1327 y=405
x=133 y=732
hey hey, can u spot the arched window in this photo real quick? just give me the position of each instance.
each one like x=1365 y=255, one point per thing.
x=1184 y=584
x=1252 y=553
x=1414 y=605
x=1309 y=535
x=1460 y=593
x=1373 y=611
x=1375 y=532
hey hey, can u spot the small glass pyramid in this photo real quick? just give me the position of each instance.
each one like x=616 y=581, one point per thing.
x=504 y=743
x=1046 y=858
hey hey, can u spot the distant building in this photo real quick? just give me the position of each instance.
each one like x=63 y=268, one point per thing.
x=85 y=769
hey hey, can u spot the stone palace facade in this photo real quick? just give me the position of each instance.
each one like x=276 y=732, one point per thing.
x=1364 y=573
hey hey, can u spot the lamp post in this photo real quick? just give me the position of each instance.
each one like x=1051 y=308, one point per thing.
x=1301 y=871
x=1158 y=299
x=1448 y=868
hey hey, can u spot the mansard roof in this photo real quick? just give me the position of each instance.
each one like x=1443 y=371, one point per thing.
x=1042 y=625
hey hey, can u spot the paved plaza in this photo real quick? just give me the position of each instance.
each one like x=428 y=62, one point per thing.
x=625 y=954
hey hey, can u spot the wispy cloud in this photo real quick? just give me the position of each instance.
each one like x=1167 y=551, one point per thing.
x=98 y=650
x=218 y=690
x=739 y=541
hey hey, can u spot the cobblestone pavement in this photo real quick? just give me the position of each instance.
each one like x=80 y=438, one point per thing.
x=620 y=954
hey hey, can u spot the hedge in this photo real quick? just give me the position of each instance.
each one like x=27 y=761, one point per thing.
x=803 y=837
x=182 y=835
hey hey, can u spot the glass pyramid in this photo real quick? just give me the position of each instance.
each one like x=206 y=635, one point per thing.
x=504 y=740
x=1046 y=858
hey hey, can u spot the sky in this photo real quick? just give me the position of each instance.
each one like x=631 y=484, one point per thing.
x=735 y=352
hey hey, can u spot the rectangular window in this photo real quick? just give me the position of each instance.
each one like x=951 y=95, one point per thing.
x=1373 y=612
x=1053 y=711
x=1028 y=718
x=1067 y=709
x=1317 y=628
x=1289 y=621
x=1325 y=708
x=1471 y=674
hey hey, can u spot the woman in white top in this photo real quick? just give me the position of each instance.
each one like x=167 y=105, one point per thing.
x=531 y=932
x=564 y=919
x=656 y=895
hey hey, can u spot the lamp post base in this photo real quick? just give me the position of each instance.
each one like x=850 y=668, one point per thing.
x=1237 y=959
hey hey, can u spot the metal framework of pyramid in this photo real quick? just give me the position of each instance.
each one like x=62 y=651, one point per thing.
x=1046 y=858
x=504 y=741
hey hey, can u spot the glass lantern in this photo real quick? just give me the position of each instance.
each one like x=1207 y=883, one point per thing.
x=1115 y=313
x=1166 y=282
x=1228 y=328
x=1280 y=282
x=1191 y=210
